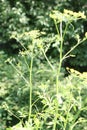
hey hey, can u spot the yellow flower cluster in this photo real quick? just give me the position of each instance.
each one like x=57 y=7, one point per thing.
x=57 y=15
x=81 y=75
x=34 y=34
x=75 y=14
x=67 y=15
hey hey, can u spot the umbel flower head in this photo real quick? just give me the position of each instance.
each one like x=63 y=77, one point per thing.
x=75 y=14
x=67 y=15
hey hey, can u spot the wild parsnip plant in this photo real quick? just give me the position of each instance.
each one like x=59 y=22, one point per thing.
x=61 y=100
x=59 y=19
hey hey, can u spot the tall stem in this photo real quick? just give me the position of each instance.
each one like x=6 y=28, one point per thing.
x=66 y=55
x=47 y=60
x=58 y=74
x=60 y=62
x=55 y=22
x=30 y=92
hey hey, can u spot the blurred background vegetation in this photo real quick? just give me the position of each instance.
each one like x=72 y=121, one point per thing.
x=19 y=16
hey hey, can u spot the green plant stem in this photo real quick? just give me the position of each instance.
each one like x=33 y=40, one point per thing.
x=61 y=45
x=65 y=30
x=7 y=109
x=55 y=119
x=58 y=74
x=20 y=73
x=60 y=62
x=55 y=22
x=61 y=35
x=30 y=79
x=47 y=60
x=66 y=55
x=61 y=49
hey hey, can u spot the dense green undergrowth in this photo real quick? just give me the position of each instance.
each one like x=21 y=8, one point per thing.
x=34 y=90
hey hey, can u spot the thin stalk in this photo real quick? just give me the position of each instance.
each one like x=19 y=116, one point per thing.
x=55 y=119
x=61 y=45
x=30 y=92
x=19 y=72
x=58 y=74
x=60 y=62
x=72 y=49
x=47 y=60
x=67 y=114
x=65 y=30
x=27 y=64
x=56 y=27
x=6 y=107
x=61 y=49
x=21 y=44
